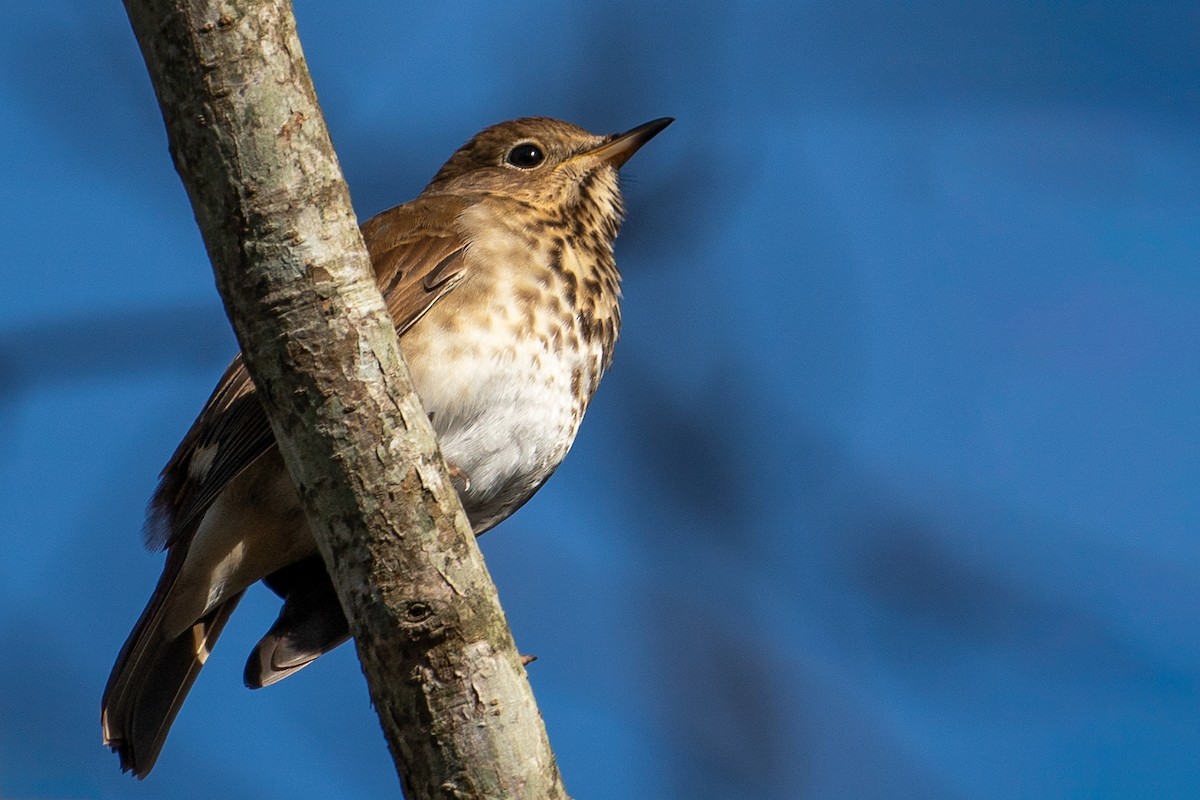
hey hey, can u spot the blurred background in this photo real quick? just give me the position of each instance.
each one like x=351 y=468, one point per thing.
x=891 y=492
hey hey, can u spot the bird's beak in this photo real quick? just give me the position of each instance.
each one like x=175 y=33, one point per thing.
x=621 y=147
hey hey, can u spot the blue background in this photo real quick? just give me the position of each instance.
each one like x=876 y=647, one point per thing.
x=891 y=492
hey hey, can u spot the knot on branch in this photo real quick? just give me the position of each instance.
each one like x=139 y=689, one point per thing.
x=424 y=619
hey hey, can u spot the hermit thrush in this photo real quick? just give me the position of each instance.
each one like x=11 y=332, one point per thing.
x=501 y=281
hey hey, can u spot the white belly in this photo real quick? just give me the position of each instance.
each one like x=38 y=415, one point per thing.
x=505 y=412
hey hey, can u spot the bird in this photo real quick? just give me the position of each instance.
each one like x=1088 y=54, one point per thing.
x=502 y=284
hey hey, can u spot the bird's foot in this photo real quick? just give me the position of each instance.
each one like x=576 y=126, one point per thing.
x=460 y=479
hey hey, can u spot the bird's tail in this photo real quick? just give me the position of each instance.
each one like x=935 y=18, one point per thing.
x=153 y=674
x=310 y=624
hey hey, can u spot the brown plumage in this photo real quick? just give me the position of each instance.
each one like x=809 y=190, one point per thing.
x=501 y=281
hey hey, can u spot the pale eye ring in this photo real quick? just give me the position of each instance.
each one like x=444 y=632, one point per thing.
x=526 y=155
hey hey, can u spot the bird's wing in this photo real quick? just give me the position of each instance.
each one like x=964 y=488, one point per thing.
x=416 y=272
x=416 y=264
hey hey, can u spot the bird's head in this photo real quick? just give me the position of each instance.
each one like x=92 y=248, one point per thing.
x=546 y=163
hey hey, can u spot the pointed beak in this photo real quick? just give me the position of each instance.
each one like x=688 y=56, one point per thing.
x=621 y=147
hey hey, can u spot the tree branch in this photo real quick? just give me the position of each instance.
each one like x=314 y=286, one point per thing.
x=250 y=144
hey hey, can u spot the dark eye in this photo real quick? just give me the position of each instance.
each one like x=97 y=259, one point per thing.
x=526 y=155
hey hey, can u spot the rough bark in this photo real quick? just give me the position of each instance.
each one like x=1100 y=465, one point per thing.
x=250 y=144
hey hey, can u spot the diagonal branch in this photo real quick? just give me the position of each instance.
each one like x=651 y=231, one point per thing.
x=250 y=144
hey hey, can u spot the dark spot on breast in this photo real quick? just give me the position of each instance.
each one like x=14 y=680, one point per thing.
x=578 y=231
x=585 y=320
x=571 y=284
x=528 y=296
x=576 y=382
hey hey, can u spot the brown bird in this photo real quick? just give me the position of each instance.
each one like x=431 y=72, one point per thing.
x=501 y=281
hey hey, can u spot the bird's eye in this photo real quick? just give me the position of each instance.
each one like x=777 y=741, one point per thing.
x=526 y=155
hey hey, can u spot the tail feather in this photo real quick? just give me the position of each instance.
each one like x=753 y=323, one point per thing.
x=310 y=624
x=153 y=674
x=283 y=652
